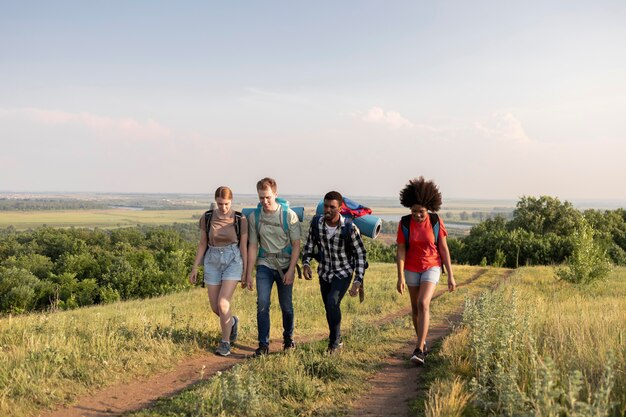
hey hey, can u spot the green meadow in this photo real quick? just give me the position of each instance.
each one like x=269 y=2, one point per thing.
x=49 y=359
x=109 y=218
x=535 y=347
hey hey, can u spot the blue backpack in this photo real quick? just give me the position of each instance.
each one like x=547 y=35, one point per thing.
x=284 y=221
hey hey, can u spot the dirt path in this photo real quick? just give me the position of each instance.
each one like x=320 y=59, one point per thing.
x=398 y=383
x=143 y=393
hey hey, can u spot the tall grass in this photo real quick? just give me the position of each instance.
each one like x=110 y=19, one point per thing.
x=48 y=359
x=541 y=347
x=308 y=382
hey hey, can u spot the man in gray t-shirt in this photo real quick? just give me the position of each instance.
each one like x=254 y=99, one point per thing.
x=274 y=247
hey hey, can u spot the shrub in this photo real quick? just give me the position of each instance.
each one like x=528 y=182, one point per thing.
x=588 y=262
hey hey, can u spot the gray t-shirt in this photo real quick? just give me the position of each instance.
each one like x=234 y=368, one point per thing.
x=273 y=237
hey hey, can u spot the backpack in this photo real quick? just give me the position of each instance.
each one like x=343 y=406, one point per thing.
x=346 y=229
x=284 y=220
x=208 y=215
x=405 y=221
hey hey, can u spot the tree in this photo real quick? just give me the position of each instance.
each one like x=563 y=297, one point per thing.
x=544 y=215
x=588 y=262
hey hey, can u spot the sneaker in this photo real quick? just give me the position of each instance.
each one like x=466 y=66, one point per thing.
x=223 y=349
x=333 y=349
x=289 y=344
x=261 y=351
x=418 y=356
x=234 y=330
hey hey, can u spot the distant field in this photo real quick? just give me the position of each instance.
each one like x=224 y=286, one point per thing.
x=110 y=218
x=121 y=217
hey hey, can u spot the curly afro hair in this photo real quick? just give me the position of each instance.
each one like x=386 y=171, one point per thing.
x=422 y=192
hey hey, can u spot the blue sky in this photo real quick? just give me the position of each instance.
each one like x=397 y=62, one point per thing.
x=490 y=99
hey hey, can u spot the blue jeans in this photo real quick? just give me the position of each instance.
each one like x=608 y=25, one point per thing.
x=332 y=294
x=265 y=278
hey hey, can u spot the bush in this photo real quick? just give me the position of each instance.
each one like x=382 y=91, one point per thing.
x=588 y=262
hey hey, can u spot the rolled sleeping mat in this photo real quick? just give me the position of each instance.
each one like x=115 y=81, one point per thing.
x=369 y=225
x=298 y=210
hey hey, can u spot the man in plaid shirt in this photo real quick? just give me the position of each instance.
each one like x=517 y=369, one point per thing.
x=340 y=253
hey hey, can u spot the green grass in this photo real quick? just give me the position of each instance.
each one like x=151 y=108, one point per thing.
x=537 y=346
x=50 y=359
x=307 y=382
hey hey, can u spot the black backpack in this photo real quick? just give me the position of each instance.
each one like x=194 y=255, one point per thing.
x=346 y=229
x=405 y=221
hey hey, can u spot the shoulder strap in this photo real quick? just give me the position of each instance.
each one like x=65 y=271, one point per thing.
x=315 y=224
x=346 y=230
x=237 y=224
x=405 y=222
x=257 y=222
x=208 y=215
x=284 y=219
x=434 y=222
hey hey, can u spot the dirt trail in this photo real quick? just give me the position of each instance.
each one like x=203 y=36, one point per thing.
x=143 y=393
x=398 y=382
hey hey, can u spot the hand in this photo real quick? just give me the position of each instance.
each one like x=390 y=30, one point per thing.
x=250 y=283
x=243 y=279
x=451 y=283
x=194 y=275
x=401 y=286
x=306 y=271
x=355 y=289
x=289 y=276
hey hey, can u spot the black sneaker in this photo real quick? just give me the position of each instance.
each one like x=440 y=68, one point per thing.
x=418 y=356
x=334 y=349
x=261 y=351
x=234 y=330
x=289 y=344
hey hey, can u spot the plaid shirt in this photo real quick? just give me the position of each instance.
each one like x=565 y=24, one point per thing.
x=335 y=262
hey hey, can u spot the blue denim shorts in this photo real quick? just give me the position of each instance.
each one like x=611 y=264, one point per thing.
x=414 y=279
x=222 y=263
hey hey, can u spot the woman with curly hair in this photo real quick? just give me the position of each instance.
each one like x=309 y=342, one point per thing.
x=422 y=250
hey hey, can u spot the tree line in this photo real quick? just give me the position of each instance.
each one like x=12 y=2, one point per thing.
x=543 y=231
x=67 y=268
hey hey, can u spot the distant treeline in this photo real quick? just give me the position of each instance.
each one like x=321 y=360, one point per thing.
x=541 y=232
x=66 y=268
x=38 y=204
x=28 y=204
x=50 y=268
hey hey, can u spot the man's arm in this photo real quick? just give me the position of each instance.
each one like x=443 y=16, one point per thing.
x=359 y=253
x=307 y=251
x=361 y=258
x=253 y=249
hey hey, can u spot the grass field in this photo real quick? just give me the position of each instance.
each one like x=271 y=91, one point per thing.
x=50 y=359
x=119 y=217
x=536 y=346
x=110 y=218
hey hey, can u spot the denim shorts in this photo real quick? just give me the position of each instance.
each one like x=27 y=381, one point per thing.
x=222 y=263
x=414 y=279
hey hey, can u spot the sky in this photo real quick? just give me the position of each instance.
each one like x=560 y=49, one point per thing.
x=490 y=99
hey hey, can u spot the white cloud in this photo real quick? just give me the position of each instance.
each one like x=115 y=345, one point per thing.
x=391 y=119
x=125 y=127
x=504 y=127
